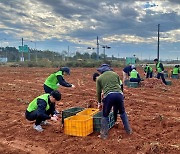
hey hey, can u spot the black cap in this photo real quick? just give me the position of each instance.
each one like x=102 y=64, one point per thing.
x=95 y=75
x=103 y=68
x=65 y=69
x=156 y=59
x=56 y=94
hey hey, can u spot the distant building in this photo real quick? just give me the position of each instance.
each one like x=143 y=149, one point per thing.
x=3 y=60
x=130 y=60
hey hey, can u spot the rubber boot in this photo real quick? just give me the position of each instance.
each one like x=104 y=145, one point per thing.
x=104 y=128
x=125 y=121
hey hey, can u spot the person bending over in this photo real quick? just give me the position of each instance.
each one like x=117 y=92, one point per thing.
x=108 y=83
x=56 y=79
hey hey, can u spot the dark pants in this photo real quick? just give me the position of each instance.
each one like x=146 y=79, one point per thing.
x=149 y=74
x=135 y=80
x=161 y=75
x=31 y=116
x=115 y=100
x=47 y=89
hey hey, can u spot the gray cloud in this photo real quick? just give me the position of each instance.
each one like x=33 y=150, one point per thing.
x=85 y=19
x=174 y=1
x=68 y=8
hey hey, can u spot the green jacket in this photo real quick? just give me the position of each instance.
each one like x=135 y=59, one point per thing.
x=33 y=105
x=108 y=82
x=52 y=80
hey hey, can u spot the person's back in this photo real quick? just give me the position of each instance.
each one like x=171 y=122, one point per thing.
x=109 y=81
x=159 y=67
x=52 y=80
x=160 y=70
x=148 y=69
x=127 y=69
x=134 y=76
x=175 y=70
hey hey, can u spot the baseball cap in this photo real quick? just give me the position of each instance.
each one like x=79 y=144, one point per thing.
x=103 y=68
x=65 y=69
x=56 y=94
x=133 y=66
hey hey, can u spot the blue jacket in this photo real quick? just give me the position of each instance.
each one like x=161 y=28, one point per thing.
x=127 y=69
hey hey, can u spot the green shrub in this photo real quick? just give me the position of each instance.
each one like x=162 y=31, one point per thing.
x=73 y=63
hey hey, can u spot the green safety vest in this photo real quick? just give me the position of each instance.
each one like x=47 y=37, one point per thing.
x=33 y=105
x=159 y=70
x=146 y=69
x=52 y=80
x=121 y=82
x=133 y=74
x=175 y=70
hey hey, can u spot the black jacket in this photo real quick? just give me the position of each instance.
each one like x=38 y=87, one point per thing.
x=41 y=110
x=62 y=82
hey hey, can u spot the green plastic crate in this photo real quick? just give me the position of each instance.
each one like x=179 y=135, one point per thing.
x=97 y=121
x=70 y=112
x=133 y=84
x=165 y=75
x=175 y=76
x=126 y=82
x=169 y=82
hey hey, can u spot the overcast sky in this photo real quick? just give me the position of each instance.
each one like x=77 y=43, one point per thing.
x=128 y=26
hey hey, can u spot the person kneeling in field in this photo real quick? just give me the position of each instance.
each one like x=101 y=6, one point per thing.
x=134 y=75
x=175 y=70
x=109 y=83
x=40 y=109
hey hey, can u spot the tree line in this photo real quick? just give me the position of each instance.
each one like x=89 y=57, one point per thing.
x=13 y=55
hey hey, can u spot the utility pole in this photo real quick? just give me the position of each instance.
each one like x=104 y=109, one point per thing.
x=68 y=53
x=29 y=55
x=35 y=50
x=22 y=56
x=105 y=47
x=158 y=43
x=104 y=52
x=97 y=48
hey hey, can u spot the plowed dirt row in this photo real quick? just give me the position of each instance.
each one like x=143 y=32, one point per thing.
x=153 y=110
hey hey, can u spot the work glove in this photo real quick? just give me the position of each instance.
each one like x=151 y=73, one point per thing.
x=73 y=86
x=99 y=106
x=54 y=118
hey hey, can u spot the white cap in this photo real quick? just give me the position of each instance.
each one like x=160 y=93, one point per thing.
x=133 y=66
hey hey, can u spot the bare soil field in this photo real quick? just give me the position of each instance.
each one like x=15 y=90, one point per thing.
x=153 y=110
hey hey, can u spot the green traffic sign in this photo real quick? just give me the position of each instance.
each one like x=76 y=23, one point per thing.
x=24 y=48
